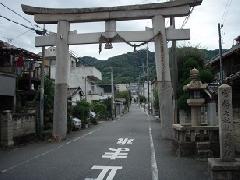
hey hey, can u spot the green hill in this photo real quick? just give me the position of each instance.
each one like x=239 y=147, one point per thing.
x=128 y=67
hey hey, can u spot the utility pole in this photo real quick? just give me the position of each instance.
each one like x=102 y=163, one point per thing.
x=113 y=109
x=85 y=82
x=174 y=70
x=41 y=123
x=148 y=81
x=143 y=68
x=220 y=52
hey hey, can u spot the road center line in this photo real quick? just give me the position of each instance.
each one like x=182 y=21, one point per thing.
x=153 y=158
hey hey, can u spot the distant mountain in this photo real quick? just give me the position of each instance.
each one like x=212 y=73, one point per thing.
x=209 y=54
x=128 y=67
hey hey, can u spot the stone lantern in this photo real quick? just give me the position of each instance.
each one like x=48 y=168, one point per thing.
x=195 y=89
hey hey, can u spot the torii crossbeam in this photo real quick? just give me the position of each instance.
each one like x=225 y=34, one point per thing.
x=159 y=34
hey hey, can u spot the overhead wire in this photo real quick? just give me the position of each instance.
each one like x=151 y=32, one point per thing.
x=34 y=26
x=226 y=10
x=5 y=6
x=224 y=17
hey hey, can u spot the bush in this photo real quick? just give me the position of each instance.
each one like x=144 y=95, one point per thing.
x=182 y=102
x=81 y=111
x=100 y=109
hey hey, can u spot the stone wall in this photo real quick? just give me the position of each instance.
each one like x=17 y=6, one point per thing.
x=23 y=124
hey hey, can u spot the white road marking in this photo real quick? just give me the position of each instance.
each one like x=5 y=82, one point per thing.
x=68 y=142
x=153 y=158
x=117 y=153
x=124 y=141
x=105 y=170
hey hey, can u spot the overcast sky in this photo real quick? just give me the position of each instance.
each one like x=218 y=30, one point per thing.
x=203 y=24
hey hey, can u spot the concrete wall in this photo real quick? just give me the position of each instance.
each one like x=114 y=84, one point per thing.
x=23 y=124
x=15 y=125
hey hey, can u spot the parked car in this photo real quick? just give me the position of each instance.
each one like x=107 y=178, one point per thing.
x=77 y=123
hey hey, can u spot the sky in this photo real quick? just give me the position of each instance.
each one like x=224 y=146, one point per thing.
x=202 y=23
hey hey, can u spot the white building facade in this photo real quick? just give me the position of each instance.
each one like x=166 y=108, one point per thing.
x=81 y=76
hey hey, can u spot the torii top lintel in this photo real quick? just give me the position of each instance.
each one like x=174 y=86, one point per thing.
x=176 y=8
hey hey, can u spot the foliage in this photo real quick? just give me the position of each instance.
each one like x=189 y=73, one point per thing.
x=206 y=75
x=126 y=95
x=156 y=99
x=142 y=99
x=48 y=93
x=189 y=58
x=100 y=109
x=127 y=66
x=81 y=110
x=182 y=101
x=108 y=103
x=48 y=102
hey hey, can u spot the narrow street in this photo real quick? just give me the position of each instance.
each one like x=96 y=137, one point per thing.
x=129 y=148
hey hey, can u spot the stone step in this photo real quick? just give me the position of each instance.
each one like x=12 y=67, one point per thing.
x=203 y=145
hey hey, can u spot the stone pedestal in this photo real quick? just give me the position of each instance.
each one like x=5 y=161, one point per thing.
x=6 y=126
x=220 y=170
x=212 y=114
x=196 y=110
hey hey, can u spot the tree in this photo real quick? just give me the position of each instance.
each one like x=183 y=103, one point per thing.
x=126 y=95
x=100 y=109
x=189 y=58
x=142 y=99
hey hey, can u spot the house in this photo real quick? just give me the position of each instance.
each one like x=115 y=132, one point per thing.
x=134 y=89
x=107 y=90
x=122 y=87
x=20 y=80
x=231 y=76
x=231 y=72
x=82 y=80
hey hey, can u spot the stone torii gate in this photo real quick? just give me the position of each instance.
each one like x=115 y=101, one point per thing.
x=159 y=34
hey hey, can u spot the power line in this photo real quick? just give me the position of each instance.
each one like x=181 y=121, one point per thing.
x=226 y=10
x=39 y=32
x=23 y=25
x=20 y=15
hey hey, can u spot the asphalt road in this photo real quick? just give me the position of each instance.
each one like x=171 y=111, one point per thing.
x=129 y=148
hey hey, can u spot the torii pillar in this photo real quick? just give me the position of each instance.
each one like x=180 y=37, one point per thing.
x=61 y=86
x=165 y=91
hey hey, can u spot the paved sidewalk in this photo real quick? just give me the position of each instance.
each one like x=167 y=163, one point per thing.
x=171 y=167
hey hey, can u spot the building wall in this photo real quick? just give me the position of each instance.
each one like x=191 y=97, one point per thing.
x=236 y=121
x=122 y=87
x=9 y=83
